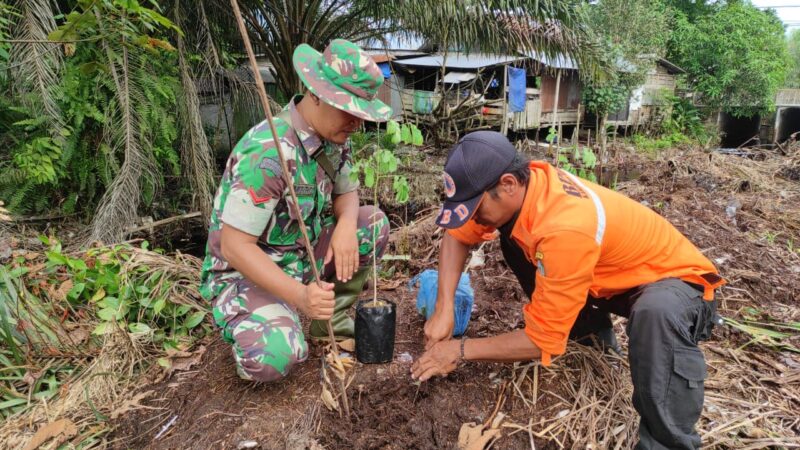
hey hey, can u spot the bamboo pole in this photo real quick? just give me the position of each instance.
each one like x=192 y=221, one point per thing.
x=262 y=93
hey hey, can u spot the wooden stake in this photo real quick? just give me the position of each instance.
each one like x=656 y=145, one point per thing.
x=504 y=127
x=262 y=93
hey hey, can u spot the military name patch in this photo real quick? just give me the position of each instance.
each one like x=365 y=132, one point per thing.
x=304 y=189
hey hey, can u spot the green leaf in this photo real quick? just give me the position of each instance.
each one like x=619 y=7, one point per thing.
x=588 y=158
x=107 y=314
x=77 y=264
x=159 y=305
x=139 y=328
x=110 y=302
x=369 y=176
x=142 y=289
x=76 y=291
x=194 y=319
x=165 y=363
x=56 y=258
x=98 y=295
x=392 y=127
x=101 y=328
x=18 y=271
x=13 y=402
x=405 y=134
x=416 y=137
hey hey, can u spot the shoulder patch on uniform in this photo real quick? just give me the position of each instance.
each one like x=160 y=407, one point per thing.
x=272 y=165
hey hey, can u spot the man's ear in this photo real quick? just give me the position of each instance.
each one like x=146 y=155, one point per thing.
x=508 y=183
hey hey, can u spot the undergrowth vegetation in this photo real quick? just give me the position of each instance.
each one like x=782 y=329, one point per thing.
x=57 y=308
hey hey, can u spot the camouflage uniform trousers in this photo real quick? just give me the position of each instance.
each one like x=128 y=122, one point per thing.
x=265 y=331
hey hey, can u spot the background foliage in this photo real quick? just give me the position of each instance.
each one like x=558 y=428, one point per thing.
x=735 y=57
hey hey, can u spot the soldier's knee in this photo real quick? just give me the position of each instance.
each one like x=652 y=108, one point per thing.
x=369 y=215
x=255 y=370
x=271 y=361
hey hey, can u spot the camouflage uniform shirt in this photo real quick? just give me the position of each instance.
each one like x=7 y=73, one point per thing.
x=253 y=197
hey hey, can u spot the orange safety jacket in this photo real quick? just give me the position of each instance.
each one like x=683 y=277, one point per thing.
x=585 y=240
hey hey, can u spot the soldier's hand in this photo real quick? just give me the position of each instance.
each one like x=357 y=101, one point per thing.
x=317 y=301
x=344 y=251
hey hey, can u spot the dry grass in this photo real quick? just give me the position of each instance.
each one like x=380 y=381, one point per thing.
x=85 y=399
x=589 y=398
x=751 y=400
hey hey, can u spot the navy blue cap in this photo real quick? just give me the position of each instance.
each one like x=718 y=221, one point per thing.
x=474 y=165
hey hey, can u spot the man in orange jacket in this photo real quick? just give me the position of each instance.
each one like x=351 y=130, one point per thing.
x=580 y=251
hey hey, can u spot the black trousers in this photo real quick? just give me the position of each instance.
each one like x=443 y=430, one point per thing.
x=666 y=320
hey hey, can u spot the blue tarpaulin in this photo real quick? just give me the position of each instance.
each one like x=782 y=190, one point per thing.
x=428 y=282
x=387 y=71
x=516 y=90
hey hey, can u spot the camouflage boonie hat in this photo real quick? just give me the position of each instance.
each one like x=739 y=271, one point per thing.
x=344 y=77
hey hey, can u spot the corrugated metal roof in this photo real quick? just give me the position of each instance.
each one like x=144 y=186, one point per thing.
x=380 y=57
x=393 y=42
x=460 y=60
x=671 y=67
x=459 y=77
x=559 y=62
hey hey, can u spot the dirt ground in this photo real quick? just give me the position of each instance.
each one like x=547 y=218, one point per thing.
x=215 y=409
x=738 y=211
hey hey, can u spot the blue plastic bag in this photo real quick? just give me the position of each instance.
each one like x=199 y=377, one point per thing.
x=428 y=282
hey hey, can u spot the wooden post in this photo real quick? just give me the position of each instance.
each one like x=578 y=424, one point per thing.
x=504 y=128
x=554 y=121
x=555 y=101
x=577 y=132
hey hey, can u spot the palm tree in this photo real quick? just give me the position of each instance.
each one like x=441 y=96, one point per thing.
x=507 y=26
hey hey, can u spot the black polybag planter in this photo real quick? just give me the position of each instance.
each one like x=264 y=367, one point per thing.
x=375 y=328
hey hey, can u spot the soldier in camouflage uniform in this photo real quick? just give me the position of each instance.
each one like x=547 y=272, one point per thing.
x=256 y=271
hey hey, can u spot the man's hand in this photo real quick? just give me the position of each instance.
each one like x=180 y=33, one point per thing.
x=344 y=250
x=439 y=328
x=317 y=301
x=440 y=360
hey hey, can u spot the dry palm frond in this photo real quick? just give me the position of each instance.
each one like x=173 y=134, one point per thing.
x=215 y=81
x=195 y=151
x=36 y=66
x=121 y=200
x=182 y=280
x=549 y=27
